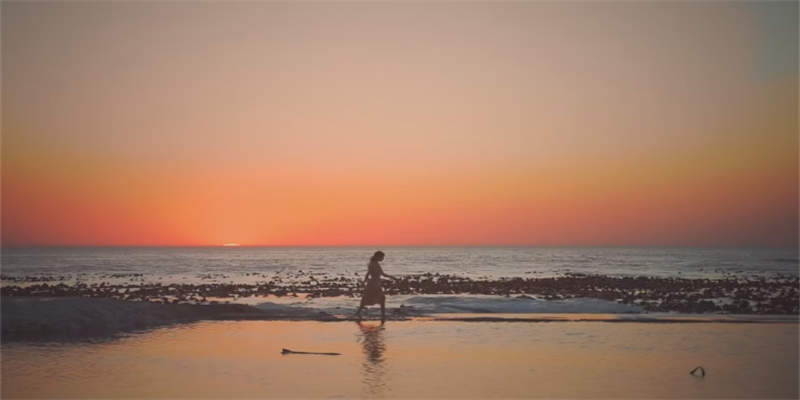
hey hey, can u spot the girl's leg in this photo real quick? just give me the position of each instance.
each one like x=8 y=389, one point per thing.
x=383 y=310
x=360 y=307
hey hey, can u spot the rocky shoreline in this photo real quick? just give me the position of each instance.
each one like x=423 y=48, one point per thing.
x=735 y=295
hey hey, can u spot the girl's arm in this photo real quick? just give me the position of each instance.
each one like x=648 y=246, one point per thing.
x=366 y=277
x=385 y=274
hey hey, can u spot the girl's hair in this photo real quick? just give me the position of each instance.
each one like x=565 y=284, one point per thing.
x=376 y=256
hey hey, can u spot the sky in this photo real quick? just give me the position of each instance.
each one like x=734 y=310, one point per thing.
x=390 y=123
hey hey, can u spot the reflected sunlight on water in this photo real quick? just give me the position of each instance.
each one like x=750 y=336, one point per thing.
x=413 y=359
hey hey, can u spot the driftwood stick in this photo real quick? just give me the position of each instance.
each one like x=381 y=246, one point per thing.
x=702 y=371
x=287 y=351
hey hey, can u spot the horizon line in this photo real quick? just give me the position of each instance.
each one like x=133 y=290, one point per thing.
x=228 y=246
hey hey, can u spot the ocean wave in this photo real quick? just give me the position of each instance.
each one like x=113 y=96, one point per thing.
x=486 y=304
x=25 y=316
x=418 y=305
x=786 y=260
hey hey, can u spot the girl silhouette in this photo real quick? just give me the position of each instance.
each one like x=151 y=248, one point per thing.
x=373 y=293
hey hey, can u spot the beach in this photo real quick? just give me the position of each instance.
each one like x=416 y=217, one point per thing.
x=414 y=358
x=461 y=323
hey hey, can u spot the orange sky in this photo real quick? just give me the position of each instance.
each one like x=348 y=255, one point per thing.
x=399 y=124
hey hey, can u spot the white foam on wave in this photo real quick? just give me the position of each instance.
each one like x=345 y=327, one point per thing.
x=478 y=304
x=489 y=304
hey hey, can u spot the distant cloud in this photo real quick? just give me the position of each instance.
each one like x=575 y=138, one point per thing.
x=778 y=41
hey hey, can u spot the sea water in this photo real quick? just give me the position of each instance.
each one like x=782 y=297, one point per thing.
x=195 y=262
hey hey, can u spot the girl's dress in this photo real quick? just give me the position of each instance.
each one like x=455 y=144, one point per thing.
x=373 y=293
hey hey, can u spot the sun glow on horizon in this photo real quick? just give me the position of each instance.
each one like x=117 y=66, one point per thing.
x=230 y=245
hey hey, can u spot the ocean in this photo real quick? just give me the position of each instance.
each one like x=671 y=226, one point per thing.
x=195 y=262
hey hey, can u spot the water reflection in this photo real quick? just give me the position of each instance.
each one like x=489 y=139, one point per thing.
x=371 y=339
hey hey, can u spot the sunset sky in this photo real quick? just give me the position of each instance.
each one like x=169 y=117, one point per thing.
x=375 y=123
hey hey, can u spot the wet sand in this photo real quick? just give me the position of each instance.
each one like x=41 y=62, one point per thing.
x=413 y=359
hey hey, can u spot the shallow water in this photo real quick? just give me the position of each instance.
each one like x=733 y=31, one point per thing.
x=413 y=359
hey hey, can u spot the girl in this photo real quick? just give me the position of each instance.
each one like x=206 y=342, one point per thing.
x=373 y=293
